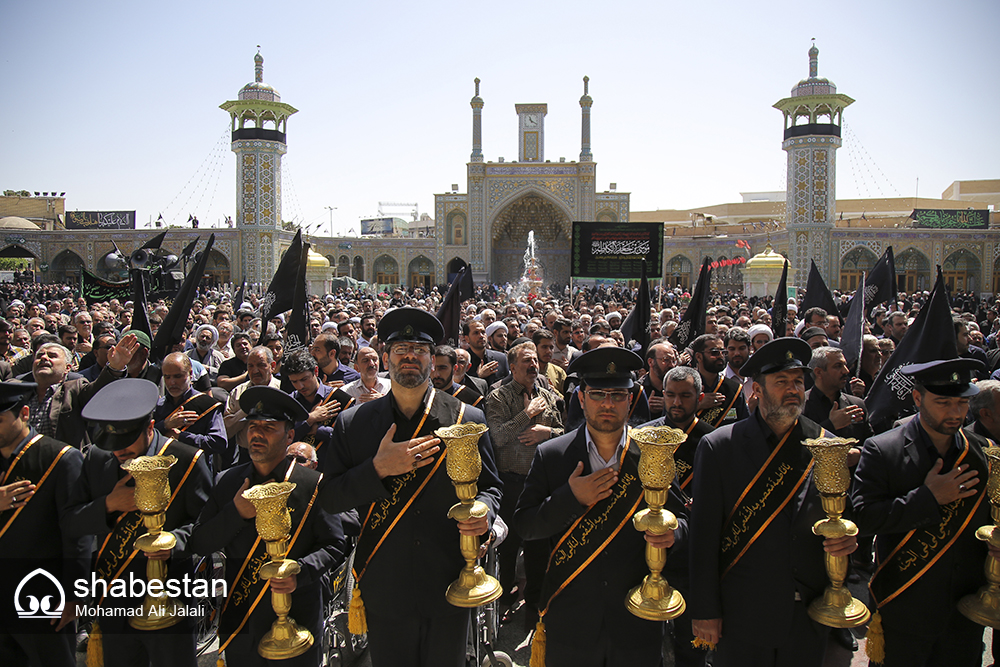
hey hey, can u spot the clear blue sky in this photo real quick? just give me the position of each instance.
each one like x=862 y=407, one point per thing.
x=116 y=103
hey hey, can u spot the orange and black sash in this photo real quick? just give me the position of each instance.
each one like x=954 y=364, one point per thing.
x=118 y=549
x=10 y=478
x=593 y=532
x=684 y=456
x=248 y=588
x=338 y=395
x=384 y=514
x=466 y=395
x=922 y=547
x=774 y=485
x=202 y=403
x=715 y=416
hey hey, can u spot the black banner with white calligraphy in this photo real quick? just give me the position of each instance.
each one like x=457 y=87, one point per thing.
x=616 y=250
x=943 y=219
x=100 y=219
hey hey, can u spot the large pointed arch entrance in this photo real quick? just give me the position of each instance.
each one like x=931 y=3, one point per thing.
x=552 y=232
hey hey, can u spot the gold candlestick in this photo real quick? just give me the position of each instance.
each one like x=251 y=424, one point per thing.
x=837 y=608
x=654 y=599
x=983 y=607
x=474 y=587
x=152 y=495
x=286 y=638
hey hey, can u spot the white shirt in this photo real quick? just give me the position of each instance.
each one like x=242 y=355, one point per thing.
x=746 y=382
x=597 y=461
x=357 y=388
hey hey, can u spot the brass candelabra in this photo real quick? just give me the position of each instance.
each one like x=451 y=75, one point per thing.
x=983 y=607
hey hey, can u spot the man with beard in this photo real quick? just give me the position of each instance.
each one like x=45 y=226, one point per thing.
x=368 y=330
x=37 y=474
x=681 y=393
x=326 y=351
x=226 y=524
x=737 y=342
x=660 y=358
x=894 y=325
x=829 y=406
x=189 y=416
x=103 y=505
x=386 y=462
x=233 y=371
x=204 y=352
x=322 y=402
x=443 y=376
x=521 y=415
x=496 y=337
x=920 y=490
x=752 y=545
x=544 y=341
x=723 y=401
x=578 y=499
x=487 y=364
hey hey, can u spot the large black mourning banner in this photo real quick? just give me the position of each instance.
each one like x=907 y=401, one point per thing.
x=100 y=219
x=944 y=219
x=616 y=249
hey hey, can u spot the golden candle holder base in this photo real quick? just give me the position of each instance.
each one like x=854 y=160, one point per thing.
x=152 y=495
x=474 y=587
x=286 y=638
x=983 y=607
x=654 y=599
x=836 y=608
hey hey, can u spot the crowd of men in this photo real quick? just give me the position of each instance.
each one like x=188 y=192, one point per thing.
x=350 y=419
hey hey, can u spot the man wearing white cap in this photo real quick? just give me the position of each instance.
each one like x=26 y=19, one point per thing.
x=760 y=335
x=496 y=337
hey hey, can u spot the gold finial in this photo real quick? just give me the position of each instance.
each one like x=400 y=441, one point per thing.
x=586 y=85
x=477 y=86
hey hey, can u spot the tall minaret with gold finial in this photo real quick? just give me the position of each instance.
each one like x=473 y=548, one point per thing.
x=813 y=117
x=259 y=120
x=477 y=126
x=585 y=103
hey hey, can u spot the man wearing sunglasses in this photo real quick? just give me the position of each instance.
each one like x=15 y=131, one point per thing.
x=579 y=496
x=386 y=462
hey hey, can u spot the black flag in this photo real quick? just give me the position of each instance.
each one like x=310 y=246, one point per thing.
x=238 y=299
x=779 y=309
x=140 y=314
x=280 y=295
x=171 y=331
x=450 y=312
x=929 y=338
x=854 y=328
x=692 y=324
x=636 y=325
x=297 y=328
x=94 y=288
x=818 y=294
x=155 y=242
x=189 y=248
x=881 y=284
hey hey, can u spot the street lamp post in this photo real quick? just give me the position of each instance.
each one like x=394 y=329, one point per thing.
x=331 y=209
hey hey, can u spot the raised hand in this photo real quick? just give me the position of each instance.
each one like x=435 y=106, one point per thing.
x=588 y=489
x=399 y=458
x=952 y=485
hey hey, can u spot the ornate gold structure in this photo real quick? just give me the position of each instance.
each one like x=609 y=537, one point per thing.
x=983 y=607
x=152 y=495
x=837 y=608
x=654 y=599
x=286 y=638
x=474 y=587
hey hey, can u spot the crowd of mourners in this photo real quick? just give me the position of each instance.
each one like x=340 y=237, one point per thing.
x=350 y=419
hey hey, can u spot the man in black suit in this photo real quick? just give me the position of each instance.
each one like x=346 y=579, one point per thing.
x=752 y=545
x=920 y=489
x=103 y=505
x=462 y=365
x=227 y=524
x=580 y=493
x=37 y=474
x=722 y=401
x=487 y=364
x=386 y=462
x=829 y=405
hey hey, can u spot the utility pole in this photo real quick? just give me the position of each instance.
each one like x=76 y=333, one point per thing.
x=331 y=209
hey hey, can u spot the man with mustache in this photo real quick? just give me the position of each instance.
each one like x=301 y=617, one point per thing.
x=681 y=392
x=386 y=461
x=829 y=406
x=521 y=415
x=920 y=489
x=443 y=377
x=752 y=545
x=579 y=496
x=722 y=402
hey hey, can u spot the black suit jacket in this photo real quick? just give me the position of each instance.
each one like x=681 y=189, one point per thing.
x=786 y=559
x=890 y=499
x=476 y=384
x=818 y=406
x=593 y=604
x=420 y=556
x=503 y=369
